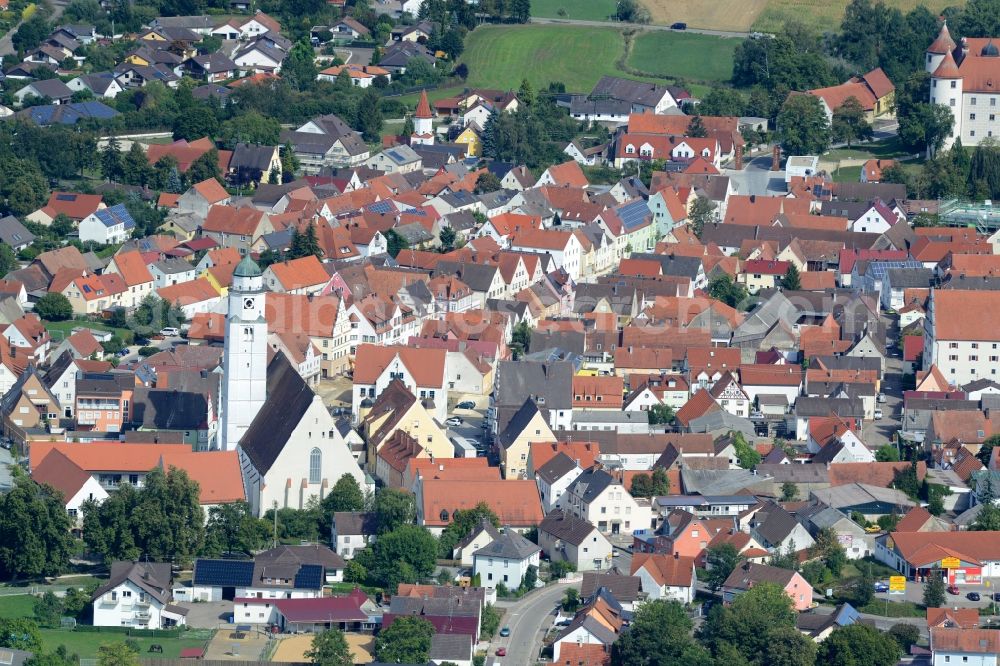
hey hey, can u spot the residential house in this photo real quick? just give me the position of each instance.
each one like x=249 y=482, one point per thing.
x=137 y=595
x=505 y=560
x=564 y=537
x=352 y=531
x=749 y=574
x=668 y=577
x=597 y=497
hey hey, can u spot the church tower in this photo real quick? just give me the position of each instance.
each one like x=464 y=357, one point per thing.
x=244 y=383
x=423 y=122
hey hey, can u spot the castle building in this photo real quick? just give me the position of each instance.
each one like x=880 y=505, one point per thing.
x=965 y=77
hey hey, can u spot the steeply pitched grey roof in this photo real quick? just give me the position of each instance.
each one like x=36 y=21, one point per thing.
x=623 y=588
x=14 y=233
x=591 y=484
x=153 y=577
x=288 y=398
x=518 y=423
x=567 y=527
x=510 y=546
x=557 y=467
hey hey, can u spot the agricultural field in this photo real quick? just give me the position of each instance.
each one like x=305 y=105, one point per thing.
x=687 y=55
x=500 y=56
x=581 y=10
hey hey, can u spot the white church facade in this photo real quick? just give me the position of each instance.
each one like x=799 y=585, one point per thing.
x=289 y=448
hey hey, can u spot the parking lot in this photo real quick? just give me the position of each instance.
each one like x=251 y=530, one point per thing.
x=915 y=593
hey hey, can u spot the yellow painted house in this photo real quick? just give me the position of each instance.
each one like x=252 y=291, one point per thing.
x=398 y=409
x=473 y=144
x=527 y=426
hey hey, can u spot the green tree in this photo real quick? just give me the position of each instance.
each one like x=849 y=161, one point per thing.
x=395 y=243
x=462 y=523
x=368 y=119
x=721 y=559
x=20 y=634
x=252 y=128
x=407 y=641
x=571 y=600
x=660 y=414
x=748 y=624
x=934 y=592
x=787 y=646
x=864 y=589
x=305 y=243
x=828 y=547
x=849 y=123
x=490 y=621
x=53 y=306
x=170 y=521
x=330 y=648
x=8 y=260
x=887 y=453
x=205 y=167
x=986 y=450
x=520 y=340
x=299 y=67
x=789 y=491
x=791 y=280
x=60 y=657
x=723 y=289
x=906 y=635
x=660 y=633
x=48 y=609
x=195 y=122
x=404 y=555
x=35 y=536
x=487 y=182
x=393 y=507
x=802 y=126
x=346 y=495
x=859 y=645
x=232 y=528
x=702 y=213
x=696 y=128
x=646 y=485
x=117 y=654
x=447 y=239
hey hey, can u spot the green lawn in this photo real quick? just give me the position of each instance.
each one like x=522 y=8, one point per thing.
x=21 y=605
x=586 y=10
x=60 y=329
x=85 y=643
x=685 y=55
x=848 y=174
x=884 y=149
x=500 y=56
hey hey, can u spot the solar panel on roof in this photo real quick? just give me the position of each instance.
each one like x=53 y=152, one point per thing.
x=309 y=576
x=65 y=197
x=223 y=573
x=380 y=207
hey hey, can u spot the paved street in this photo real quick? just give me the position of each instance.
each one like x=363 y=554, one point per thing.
x=636 y=26
x=529 y=620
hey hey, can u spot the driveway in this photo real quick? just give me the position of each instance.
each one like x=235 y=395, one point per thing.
x=208 y=614
x=529 y=619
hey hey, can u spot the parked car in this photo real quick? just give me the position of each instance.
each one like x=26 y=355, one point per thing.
x=680 y=25
x=505 y=632
x=973 y=596
x=122 y=352
x=454 y=421
x=881 y=587
x=501 y=652
x=881 y=397
x=170 y=332
x=878 y=413
x=953 y=589
x=996 y=596
x=466 y=404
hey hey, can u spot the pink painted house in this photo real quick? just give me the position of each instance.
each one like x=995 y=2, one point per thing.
x=749 y=574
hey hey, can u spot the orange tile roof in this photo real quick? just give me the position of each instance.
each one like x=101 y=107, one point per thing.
x=963 y=618
x=453 y=469
x=582 y=654
x=73 y=205
x=167 y=200
x=216 y=472
x=568 y=173
x=107 y=457
x=951 y=310
x=58 y=471
x=314 y=316
x=752 y=210
x=186 y=293
x=701 y=403
x=426 y=366
x=665 y=569
x=515 y=502
x=133 y=269
x=211 y=190
x=598 y=392
x=585 y=452
x=300 y=273
x=880 y=474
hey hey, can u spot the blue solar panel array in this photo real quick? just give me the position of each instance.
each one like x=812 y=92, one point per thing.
x=310 y=576
x=632 y=214
x=380 y=207
x=878 y=269
x=117 y=214
x=223 y=573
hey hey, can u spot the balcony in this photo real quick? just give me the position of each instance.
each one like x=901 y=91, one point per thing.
x=107 y=602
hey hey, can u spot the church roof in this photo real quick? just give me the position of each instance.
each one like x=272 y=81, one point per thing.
x=288 y=398
x=247 y=268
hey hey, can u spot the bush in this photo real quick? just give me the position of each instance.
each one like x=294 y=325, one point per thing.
x=148 y=351
x=54 y=307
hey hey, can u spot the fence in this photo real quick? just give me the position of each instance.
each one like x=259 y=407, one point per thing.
x=129 y=631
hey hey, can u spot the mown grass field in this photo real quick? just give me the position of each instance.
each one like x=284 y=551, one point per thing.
x=14 y=606
x=823 y=15
x=684 y=54
x=585 y=10
x=85 y=644
x=499 y=56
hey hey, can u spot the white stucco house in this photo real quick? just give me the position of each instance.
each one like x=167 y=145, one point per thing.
x=137 y=595
x=505 y=561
